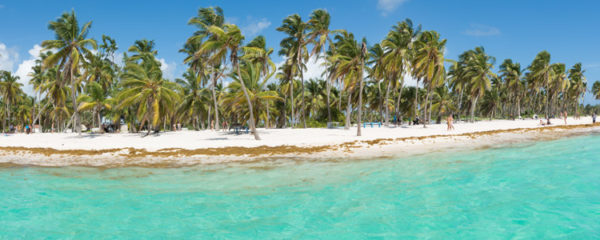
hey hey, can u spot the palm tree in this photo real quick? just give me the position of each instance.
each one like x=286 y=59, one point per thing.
x=478 y=71
x=72 y=45
x=10 y=89
x=541 y=69
x=193 y=97
x=352 y=56
x=443 y=102
x=319 y=32
x=512 y=73
x=144 y=86
x=260 y=96
x=207 y=17
x=578 y=85
x=397 y=59
x=596 y=89
x=429 y=63
x=229 y=39
x=96 y=100
x=295 y=50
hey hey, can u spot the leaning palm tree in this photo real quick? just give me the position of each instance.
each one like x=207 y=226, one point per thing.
x=72 y=46
x=10 y=90
x=229 y=40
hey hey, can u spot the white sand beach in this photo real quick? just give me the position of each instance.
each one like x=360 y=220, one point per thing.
x=185 y=147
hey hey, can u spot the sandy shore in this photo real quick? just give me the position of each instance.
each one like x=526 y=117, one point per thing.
x=202 y=147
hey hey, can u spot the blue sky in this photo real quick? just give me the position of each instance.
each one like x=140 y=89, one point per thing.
x=507 y=29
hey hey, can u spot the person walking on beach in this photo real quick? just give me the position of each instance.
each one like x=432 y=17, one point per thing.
x=449 y=121
x=565 y=116
x=594 y=117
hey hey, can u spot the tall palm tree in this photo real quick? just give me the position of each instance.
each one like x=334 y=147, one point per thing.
x=398 y=45
x=319 y=35
x=429 y=63
x=541 y=69
x=352 y=57
x=578 y=84
x=72 y=46
x=511 y=72
x=229 y=39
x=207 y=17
x=297 y=54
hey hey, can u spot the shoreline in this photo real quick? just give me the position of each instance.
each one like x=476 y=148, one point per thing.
x=353 y=149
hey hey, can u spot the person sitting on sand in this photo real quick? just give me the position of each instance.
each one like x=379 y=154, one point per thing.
x=542 y=123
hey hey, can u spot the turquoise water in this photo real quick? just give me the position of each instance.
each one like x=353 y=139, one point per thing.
x=528 y=191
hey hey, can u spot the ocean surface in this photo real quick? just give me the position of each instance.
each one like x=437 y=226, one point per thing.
x=541 y=190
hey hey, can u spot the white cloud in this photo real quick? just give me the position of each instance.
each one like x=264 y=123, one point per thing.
x=168 y=69
x=254 y=27
x=388 y=6
x=24 y=69
x=8 y=58
x=480 y=30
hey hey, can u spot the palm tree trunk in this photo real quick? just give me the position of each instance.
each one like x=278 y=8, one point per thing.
x=8 y=113
x=100 y=123
x=360 y=88
x=209 y=118
x=328 y=103
x=340 y=95
x=292 y=101
x=473 y=108
x=518 y=107
x=460 y=103
x=268 y=116
x=387 y=96
x=214 y=96
x=398 y=115
x=76 y=123
x=252 y=123
x=302 y=109
x=348 y=112
x=425 y=109
x=416 y=101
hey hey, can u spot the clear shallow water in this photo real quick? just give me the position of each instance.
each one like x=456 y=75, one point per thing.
x=533 y=191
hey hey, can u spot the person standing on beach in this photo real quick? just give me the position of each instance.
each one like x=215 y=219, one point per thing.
x=594 y=117
x=565 y=116
x=449 y=121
